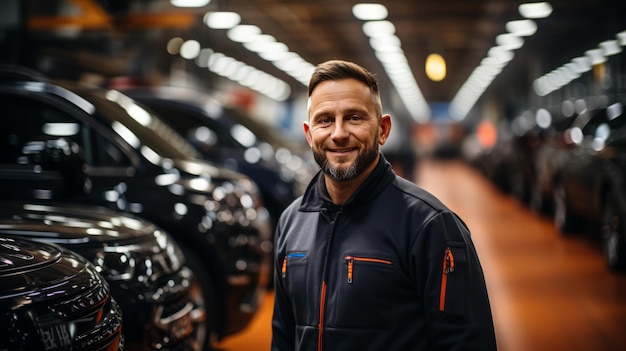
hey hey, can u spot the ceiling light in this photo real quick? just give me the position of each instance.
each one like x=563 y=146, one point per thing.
x=509 y=41
x=243 y=33
x=596 y=56
x=610 y=47
x=190 y=3
x=203 y=57
x=260 y=42
x=387 y=43
x=221 y=20
x=535 y=10
x=582 y=64
x=173 y=45
x=369 y=12
x=522 y=28
x=435 y=67
x=190 y=49
x=500 y=54
x=621 y=36
x=378 y=28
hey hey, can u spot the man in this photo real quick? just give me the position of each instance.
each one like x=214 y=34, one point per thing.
x=366 y=260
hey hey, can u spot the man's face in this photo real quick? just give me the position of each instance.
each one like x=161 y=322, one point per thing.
x=343 y=128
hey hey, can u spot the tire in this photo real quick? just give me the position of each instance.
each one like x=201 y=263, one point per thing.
x=613 y=232
x=203 y=296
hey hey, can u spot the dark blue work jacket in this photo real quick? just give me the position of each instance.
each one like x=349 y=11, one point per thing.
x=391 y=269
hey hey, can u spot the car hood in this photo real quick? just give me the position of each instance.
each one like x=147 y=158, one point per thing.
x=27 y=267
x=71 y=224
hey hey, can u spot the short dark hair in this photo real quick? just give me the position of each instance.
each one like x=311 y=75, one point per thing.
x=339 y=69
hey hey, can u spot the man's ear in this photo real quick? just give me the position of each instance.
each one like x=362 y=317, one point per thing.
x=307 y=132
x=384 y=129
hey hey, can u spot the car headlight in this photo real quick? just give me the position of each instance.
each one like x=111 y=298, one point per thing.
x=143 y=261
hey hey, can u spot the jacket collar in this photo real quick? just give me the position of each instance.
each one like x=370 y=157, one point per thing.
x=316 y=197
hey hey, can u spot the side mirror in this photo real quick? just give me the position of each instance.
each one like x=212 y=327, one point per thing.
x=46 y=169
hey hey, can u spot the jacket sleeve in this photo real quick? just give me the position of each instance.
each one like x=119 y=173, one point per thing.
x=456 y=302
x=283 y=322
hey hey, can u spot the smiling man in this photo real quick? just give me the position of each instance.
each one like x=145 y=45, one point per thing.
x=366 y=260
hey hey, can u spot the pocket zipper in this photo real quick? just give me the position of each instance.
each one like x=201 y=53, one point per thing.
x=448 y=267
x=291 y=255
x=351 y=259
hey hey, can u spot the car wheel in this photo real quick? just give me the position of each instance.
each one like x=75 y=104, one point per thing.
x=565 y=221
x=613 y=243
x=203 y=297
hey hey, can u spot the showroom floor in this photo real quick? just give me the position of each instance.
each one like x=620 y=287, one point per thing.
x=548 y=292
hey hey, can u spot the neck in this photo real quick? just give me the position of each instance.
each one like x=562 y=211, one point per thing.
x=340 y=191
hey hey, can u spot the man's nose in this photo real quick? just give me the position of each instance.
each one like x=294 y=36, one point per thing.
x=340 y=130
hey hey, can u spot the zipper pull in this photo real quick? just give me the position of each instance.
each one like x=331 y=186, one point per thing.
x=448 y=267
x=448 y=262
x=350 y=268
x=284 y=268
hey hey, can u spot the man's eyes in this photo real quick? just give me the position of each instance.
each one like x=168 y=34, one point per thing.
x=329 y=120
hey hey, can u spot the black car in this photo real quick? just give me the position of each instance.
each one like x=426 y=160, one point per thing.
x=230 y=138
x=550 y=155
x=590 y=186
x=53 y=299
x=143 y=266
x=98 y=147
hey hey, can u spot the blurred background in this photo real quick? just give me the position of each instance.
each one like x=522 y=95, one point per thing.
x=511 y=111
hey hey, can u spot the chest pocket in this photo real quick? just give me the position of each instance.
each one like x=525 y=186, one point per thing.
x=362 y=263
x=363 y=285
x=294 y=272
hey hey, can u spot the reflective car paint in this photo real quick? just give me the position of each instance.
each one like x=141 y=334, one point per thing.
x=144 y=267
x=53 y=299
x=115 y=154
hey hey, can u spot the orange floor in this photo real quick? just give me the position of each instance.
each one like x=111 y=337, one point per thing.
x=548 y=292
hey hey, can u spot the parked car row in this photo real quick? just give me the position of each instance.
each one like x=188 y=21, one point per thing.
x=569 y=163
x=144 y=268
x=183 y=242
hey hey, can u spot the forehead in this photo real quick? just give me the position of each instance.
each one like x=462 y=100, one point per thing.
x=346 y=92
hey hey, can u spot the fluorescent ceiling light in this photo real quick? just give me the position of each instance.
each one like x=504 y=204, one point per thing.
x=509 y=41
x=621 y=37
x=190 y=3
x=535 y=10
x=596 y=56
x=243 y=33
x=221 y=20
x=582 y=64
x=610 y=47
x=522 y=28
x=369 y=11
x=378 y=28
x=190 y=49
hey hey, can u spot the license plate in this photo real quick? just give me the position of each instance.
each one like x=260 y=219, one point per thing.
x=54 y=333
x=178 y=325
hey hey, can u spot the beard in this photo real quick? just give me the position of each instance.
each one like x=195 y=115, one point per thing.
x=351 y=171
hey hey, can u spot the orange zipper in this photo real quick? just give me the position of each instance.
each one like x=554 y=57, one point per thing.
x=300 y=255
x=351 y=260
x=320 y=326
x=284 y=268
x=448 y=267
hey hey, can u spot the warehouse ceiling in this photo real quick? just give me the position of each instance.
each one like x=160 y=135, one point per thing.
x=462 y=31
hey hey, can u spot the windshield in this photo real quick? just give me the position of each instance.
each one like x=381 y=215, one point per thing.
x=141 y=129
